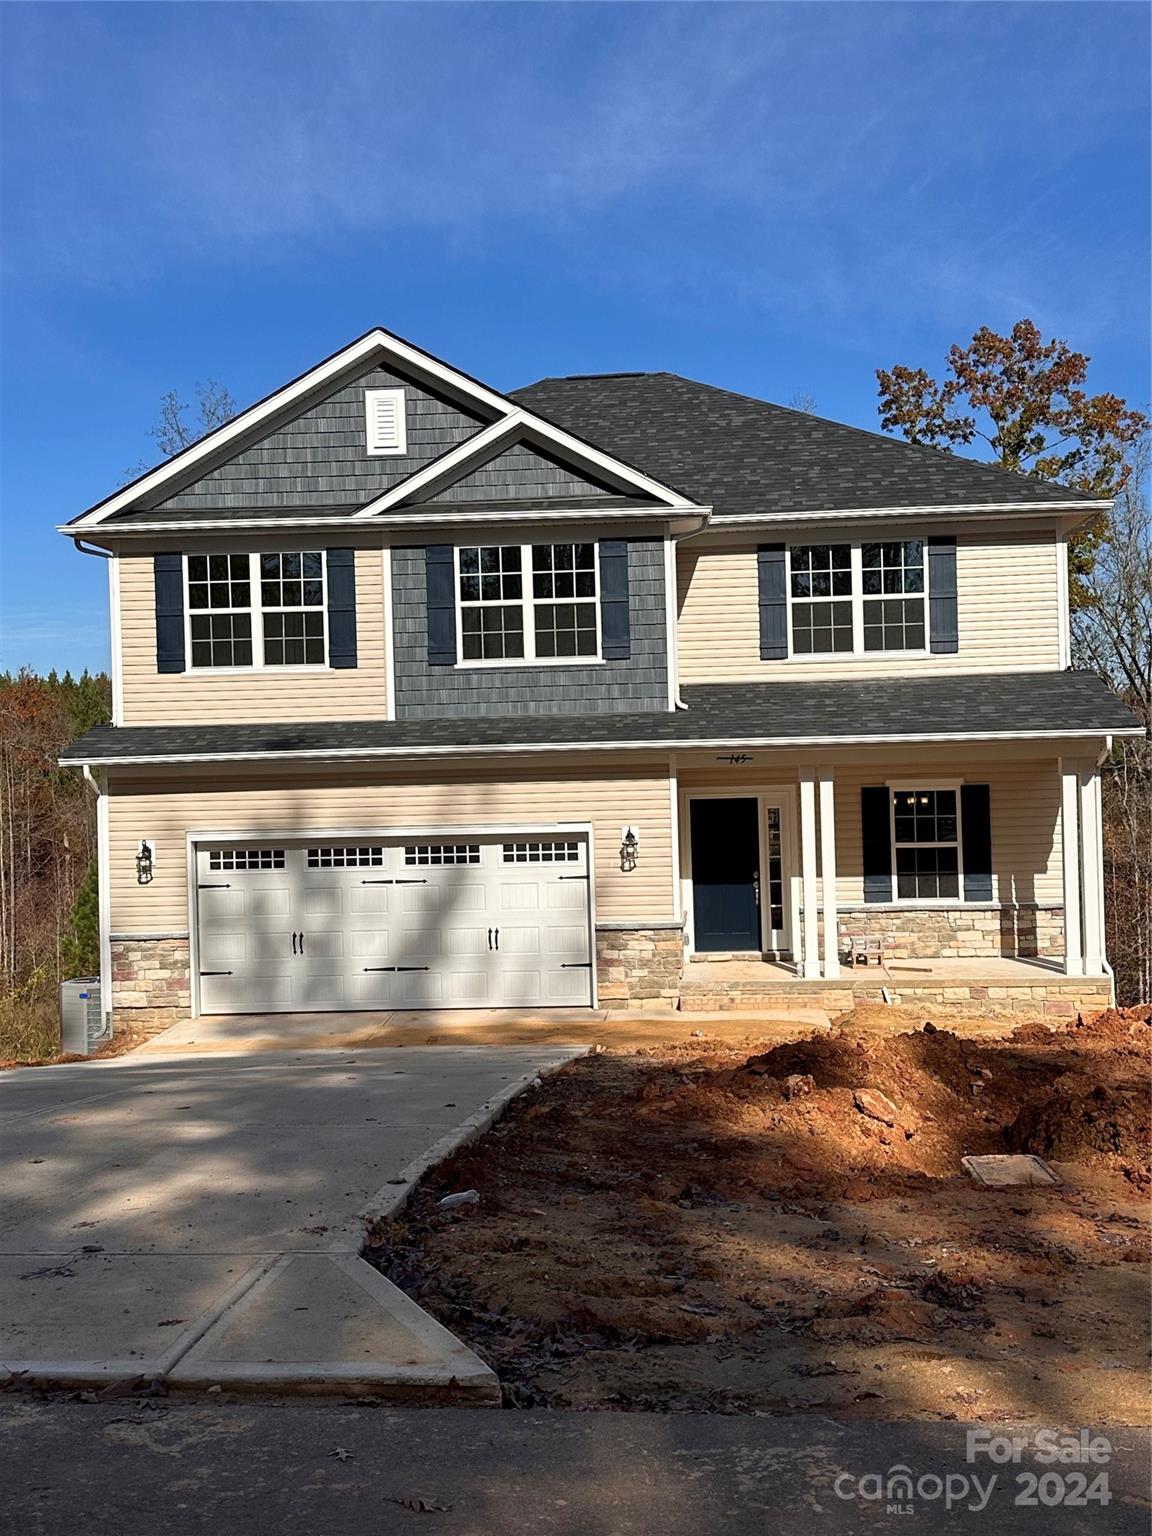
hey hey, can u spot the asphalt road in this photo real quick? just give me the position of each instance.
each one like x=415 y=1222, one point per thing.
x=249 y=1468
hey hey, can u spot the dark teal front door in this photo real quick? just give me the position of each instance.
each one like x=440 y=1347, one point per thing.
x=725 y=835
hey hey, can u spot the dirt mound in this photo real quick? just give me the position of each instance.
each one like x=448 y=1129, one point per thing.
x=1081 y=1120
x=1116 y=1024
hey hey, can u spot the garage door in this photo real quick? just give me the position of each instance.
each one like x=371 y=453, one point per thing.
x=499 y=921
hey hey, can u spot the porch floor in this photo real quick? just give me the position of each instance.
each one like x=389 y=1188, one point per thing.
x=750 y=971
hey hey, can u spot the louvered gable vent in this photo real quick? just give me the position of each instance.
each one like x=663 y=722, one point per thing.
x=384 y=415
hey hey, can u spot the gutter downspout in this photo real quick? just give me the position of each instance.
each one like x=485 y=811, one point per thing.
x=702 y=522
x=103 y=888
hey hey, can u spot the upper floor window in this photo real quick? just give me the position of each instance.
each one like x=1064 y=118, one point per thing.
x=893 y=589
x=821 y=582
x=853 y=598
x=257 y=610
x=530 y=602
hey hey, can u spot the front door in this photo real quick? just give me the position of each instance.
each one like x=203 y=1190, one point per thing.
x=725 y=837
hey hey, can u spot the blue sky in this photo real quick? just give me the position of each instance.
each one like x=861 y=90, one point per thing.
x=775 y=198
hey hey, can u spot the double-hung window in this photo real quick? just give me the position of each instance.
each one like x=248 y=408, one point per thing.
x=528 y=602
x=857 y=598
x=893 y=588
x=926 y=844
x=257 y=610
x=821 y=598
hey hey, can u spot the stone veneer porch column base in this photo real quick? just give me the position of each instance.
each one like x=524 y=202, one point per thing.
x=150 y=979
x=639 y=965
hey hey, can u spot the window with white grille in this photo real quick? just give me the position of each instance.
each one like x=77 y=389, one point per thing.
x=385 y=421
x=246 y=858
x=542 y=853
x=442 y=853
x=527 y=602
x=257 y=610
x=345 y=858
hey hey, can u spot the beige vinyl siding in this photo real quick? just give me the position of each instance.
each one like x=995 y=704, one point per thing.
x=1007 y=596
x=297 y=800
x=1025 y=811
x=269 y=694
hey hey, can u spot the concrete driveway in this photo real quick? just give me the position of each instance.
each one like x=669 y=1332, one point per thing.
x=199 y=1217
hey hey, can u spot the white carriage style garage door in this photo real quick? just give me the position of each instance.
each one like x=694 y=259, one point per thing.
x=473 y=922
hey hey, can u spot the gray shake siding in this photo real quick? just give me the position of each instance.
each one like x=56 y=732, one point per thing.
x=639 y=683
x=520 y=474
x=320 y=458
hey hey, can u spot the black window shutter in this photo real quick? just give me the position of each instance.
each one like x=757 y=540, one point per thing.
x=876 y=826
x=976 y=832
x=169 y=580
x=341 y=607
x=943 y=623
x=770 y=577
x=440 y=566
x=615 y=632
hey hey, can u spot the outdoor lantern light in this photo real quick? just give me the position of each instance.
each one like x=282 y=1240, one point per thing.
x=143 y=862
x=629 y=846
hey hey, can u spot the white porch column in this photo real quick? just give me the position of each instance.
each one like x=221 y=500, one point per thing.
x=1070 y=854
x=1092 y=861
x=828 y=872
x=810 y=967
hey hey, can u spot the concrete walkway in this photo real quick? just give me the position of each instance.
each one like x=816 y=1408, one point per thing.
x=200 y=1217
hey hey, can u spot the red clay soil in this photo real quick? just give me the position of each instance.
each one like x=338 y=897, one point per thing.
x=693 y=1227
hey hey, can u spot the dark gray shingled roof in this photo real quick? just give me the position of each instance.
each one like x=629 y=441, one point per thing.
x=741 y=455
x=740 y=714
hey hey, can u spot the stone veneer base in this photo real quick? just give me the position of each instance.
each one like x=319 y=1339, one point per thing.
x=639 y=967
x=150 y=980
x=1023 y=931
x=993 y=1000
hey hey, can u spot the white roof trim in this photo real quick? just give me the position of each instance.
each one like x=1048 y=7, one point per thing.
x=375 y=342
x=725 y=743
x=975 y=509
x=519 y=423
x=586 y=514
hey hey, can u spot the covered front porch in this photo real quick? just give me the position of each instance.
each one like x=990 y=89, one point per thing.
x=949 y=874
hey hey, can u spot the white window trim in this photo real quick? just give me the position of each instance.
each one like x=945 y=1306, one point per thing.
x=528 y=608
x=400 y=448
x=256 y=610
x=857 y=600
x=909 y=786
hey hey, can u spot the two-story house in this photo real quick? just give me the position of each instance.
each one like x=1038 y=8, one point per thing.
x=427 y=696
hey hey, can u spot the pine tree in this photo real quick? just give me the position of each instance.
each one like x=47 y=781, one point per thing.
x=80 y=944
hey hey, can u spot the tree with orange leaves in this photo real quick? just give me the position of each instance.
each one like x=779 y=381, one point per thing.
x=1024 y=397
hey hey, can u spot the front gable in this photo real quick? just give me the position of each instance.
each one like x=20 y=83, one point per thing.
x=321 y=458
x=308 y=448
